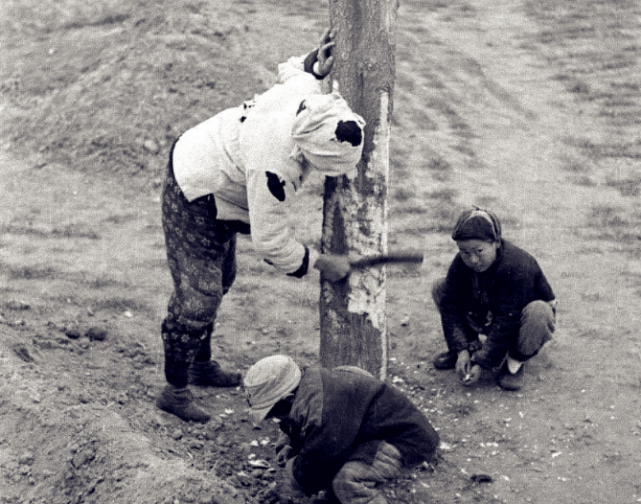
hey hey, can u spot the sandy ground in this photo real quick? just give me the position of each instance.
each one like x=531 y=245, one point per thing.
x=529 y=109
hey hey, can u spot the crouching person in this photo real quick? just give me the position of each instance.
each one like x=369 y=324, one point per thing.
x=346 y=432
x=496 y=289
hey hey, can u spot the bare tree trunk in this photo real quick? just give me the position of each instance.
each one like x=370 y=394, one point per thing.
x=353 y=312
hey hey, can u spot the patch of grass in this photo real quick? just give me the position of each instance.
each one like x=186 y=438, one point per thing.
x=615 y=225
x=312 y=10
x=121 y=218
x=574 y=165
x=102 y=282
x=403 y=194
x=468 y=8
x=624 y=115
x=398 y=162
x=115 y=303
x=439 y=164
x=442 y=210
x=454 y=119
x=562 y=77
x=509 y=222
x=429 y=5
x=578 y=87
x=592 y=149
x=43 y=17
x=486 y=201
x=106 y=19
x=627 y=187
x=464 y=149
x=422 y=120
x=462 y=410
x=585 y=181
x=618 y=63
x=594 y=334
x=607 y=216
x=620 y=101
x=408 y=210
x=69 y=231
x=32 y=272
x=444 y=195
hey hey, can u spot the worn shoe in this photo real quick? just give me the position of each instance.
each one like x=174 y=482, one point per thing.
x=445 y=360
x=210 y=374
x=179 y=401
x=512 y=381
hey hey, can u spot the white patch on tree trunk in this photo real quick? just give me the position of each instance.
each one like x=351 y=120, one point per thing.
x=367 y=287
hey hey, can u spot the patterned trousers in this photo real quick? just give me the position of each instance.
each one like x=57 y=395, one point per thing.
x=201 y=252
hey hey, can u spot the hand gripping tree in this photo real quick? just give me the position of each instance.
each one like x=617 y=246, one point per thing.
x=353 y=311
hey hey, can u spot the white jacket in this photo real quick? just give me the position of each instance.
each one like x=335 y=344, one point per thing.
x=240 y=153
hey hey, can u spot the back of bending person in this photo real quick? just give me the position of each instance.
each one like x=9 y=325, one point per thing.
x=238 y=172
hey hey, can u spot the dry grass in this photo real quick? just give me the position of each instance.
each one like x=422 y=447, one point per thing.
x=600 y=67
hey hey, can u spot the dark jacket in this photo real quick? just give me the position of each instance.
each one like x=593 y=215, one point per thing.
x=491 y=302
x=341 y=415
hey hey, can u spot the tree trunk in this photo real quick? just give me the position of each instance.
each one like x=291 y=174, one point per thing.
x=353 y=312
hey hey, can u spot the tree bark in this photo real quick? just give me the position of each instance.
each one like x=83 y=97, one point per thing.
x=353 y=311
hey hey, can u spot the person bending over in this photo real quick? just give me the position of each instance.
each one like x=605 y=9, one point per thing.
x=238 y=172
x=345 y=433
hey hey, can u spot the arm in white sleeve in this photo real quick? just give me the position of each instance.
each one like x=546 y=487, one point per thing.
x=269 y=195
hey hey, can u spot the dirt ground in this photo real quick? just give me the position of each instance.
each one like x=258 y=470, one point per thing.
x=528 y=108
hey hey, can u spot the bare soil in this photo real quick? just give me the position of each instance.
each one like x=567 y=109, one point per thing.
x=529 y=108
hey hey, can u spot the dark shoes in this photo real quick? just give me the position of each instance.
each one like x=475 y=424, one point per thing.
x=507 y=380
x=445 y=360
x=511 y=381
x=210 y=374
x=179 y=401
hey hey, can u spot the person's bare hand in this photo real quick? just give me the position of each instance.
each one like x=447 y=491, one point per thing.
x=473 y=376
x=463 y=364
x=283 y=455
x=325 y=58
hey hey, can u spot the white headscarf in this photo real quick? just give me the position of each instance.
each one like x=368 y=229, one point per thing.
x=314 y=132
x=268 y=381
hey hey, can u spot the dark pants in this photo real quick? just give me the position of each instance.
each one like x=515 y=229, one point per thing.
x=201 y=252
x=536 y=328
x=356 y=482
x=360 y=483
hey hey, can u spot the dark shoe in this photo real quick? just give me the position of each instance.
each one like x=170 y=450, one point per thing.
x=445 y=360
x=512 y=381
x=180 y=402
x=210 y=374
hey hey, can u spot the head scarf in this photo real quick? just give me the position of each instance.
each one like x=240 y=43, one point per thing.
x=315 y=133
x=267 y=382
x=477 y=224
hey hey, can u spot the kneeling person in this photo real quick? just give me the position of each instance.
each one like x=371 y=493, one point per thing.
x=346 y=432
x=496 y=289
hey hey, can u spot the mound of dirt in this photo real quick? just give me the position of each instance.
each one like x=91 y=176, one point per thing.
x=108 y=88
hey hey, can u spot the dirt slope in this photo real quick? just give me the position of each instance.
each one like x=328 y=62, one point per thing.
x=529 y=108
